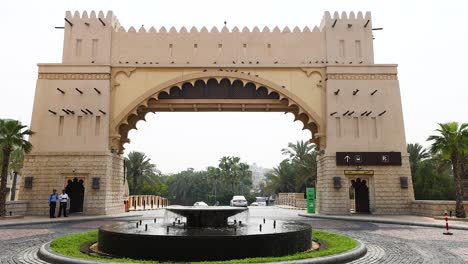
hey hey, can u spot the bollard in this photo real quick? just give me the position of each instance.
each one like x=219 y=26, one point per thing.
x=178 y=221
x=235 y=229
x=446 y=225
x=137 y=225
x=146 y=227
x=263 y=220
x=155 y=220
x=235 y=221
x=10 y=213
x=144 y=203
x=260 y=227
x=240 y=223
x=450 y=213
x=173 y=223
x=274 y=224
x=140 y=222
x=167 y=229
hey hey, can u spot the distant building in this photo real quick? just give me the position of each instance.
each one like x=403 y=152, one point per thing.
x=258 y=174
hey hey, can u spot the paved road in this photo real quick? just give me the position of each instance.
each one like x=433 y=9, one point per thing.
x=386 y=243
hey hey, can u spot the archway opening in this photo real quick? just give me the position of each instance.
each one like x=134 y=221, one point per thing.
x=213 y=95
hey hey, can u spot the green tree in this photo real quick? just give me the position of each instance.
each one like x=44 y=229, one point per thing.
x=281 y=178
x=303 y=158
x=139 y=169
x=234 y=172
x=416 y=154
x=452 y=144
x=12 y=136
x=213 y=175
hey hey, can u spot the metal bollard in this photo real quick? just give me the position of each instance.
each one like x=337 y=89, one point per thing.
x=137 y=225
x=274 y=224
x=260 y=227
x=263 y=220
x=146 y=227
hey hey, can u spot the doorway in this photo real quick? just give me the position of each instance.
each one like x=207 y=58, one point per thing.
x=361 y=195
x=75 y=190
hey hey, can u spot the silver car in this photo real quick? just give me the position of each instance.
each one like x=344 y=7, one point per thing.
x=238 y=200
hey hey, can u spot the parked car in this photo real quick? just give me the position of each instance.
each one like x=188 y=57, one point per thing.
x=261 y=201
x=254 y=204
x=200 y=204
x=238 y=200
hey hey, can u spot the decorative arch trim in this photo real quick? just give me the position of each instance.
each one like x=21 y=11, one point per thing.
x=130 y=114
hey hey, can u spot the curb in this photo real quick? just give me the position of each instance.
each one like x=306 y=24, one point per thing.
x=382 y=221
x=69 y=220
x=46 y=254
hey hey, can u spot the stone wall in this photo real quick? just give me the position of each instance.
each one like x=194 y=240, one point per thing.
x=16 y=207
x=53 y=170
x=385 y=194
x=434 y=208
x=288 y=198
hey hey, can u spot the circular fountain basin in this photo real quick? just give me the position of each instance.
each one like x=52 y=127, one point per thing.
x=206 y=235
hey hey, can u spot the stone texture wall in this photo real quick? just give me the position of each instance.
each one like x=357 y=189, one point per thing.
x=288 y=198
x=385 y=194
x=52 y=170
x=434 y=208
x=16 y=207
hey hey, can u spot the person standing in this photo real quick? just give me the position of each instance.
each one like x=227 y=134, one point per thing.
x=53 y=203
x=63 y=197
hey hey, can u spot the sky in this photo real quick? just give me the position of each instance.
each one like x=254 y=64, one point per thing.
x=427 y=39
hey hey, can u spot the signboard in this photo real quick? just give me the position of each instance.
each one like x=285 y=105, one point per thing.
x=310 y=196
x=368 y=158
x=359 y=172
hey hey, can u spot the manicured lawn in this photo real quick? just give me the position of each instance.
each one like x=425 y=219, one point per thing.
x=70 y=246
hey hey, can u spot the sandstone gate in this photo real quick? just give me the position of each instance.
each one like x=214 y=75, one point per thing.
x=110 y=77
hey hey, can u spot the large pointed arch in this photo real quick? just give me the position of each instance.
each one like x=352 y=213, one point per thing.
x=127 y=118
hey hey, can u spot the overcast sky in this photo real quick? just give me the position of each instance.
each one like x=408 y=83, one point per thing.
x=427 y=39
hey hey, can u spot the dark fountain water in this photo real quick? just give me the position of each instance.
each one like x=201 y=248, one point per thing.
x=204 y=233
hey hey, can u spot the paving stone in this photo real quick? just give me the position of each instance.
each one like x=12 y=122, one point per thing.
x=386 y=243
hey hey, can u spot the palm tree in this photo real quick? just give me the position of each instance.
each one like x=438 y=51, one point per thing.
x=416 y=154
x=281 y=179
x=12 y=134
x=302 y=154
x=139 y=167
x=298 y=151
x=214 y=175
x=452 y=144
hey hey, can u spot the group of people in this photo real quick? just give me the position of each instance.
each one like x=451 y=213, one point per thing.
x=53 y=199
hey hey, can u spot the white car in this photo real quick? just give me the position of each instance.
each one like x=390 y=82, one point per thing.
x=254 y=204
x=200 y=204
x=238 y=200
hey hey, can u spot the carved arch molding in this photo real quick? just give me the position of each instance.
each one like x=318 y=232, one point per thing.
x=214 y=94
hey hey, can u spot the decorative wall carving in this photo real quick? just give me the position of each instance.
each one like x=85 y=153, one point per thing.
x=74 y=76
x=115 y=71
x=338 y=76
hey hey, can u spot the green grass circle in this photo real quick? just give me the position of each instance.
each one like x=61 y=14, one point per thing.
x=69 y=245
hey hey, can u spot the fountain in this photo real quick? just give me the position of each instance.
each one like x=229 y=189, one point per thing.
x=205 y=235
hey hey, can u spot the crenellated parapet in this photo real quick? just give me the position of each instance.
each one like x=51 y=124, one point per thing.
x=87 y=37
x=96 y=38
